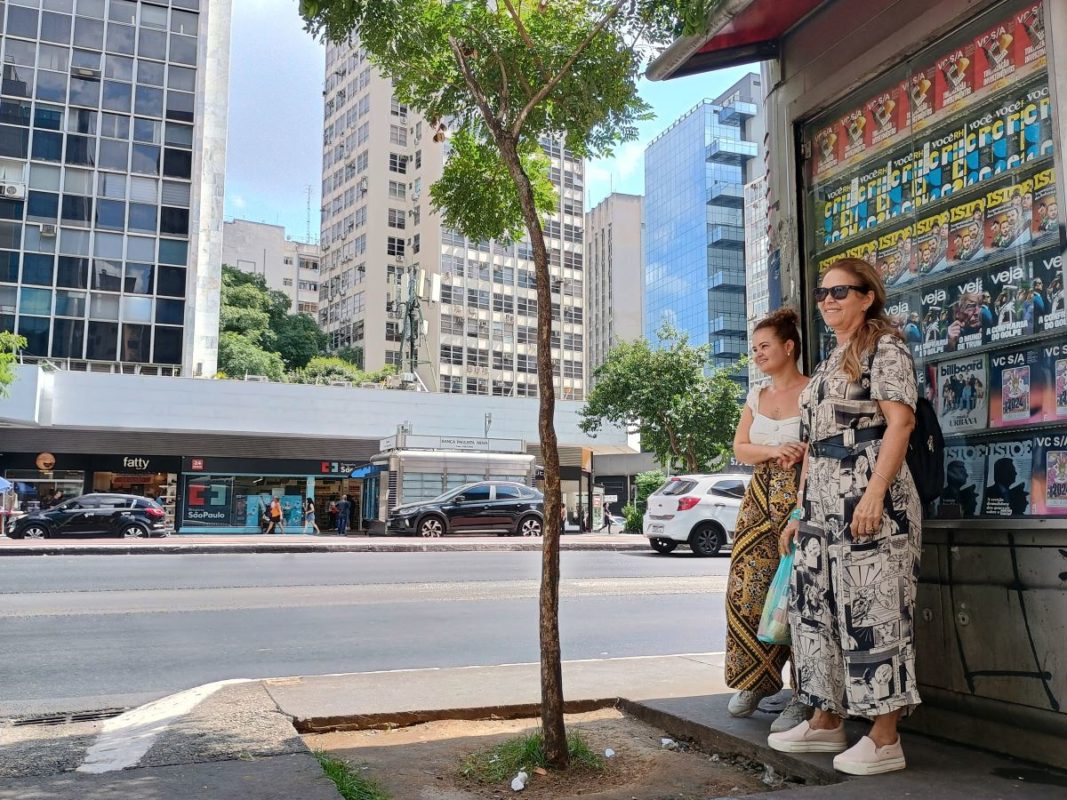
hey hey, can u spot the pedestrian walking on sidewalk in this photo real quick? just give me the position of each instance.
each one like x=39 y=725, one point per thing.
x=768 y=437
x=857 y=531
x=309 y=516
x=277 y=518
x=344 y=511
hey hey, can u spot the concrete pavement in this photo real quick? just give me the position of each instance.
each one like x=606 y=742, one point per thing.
x=239 y=743
x=299 y=543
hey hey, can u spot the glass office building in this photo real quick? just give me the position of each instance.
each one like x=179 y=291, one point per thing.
x=112 y=149
x=694 y=243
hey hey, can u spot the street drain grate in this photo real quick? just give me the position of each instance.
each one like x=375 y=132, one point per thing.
x=67 y=718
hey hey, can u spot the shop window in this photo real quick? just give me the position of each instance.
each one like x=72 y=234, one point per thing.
x=969 y=249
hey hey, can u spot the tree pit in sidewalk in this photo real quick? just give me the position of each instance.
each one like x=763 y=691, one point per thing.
x=428 y=761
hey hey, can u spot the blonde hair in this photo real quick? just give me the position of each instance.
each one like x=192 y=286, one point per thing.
x=875 y=326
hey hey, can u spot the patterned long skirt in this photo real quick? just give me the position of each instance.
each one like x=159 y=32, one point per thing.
x=751 y=664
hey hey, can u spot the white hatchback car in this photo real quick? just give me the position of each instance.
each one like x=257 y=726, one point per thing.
x=698 y=510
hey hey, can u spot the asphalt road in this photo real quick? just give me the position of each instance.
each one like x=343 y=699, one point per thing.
x=91 y=632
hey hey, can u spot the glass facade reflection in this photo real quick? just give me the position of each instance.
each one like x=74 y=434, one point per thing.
x=694 y=244
x=98 y=108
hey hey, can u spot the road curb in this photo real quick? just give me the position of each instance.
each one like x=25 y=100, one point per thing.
x=362 y=547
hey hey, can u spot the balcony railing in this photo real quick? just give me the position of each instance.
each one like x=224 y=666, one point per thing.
x=731 y=151
x=731 y=195
x=726 y=236
x=737 y=112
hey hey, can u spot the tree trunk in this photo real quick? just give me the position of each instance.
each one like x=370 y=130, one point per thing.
x=551 y=665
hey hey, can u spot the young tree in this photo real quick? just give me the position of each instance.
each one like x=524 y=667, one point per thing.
x=501 y=77
x=299 y=339
x=10 y=344
x=685 y=415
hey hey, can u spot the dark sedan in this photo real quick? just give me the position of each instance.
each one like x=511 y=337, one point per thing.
x=500 y=507
x=95 y=515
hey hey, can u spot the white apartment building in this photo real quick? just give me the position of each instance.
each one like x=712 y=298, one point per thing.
x=286 y=265
x=112 y=165
x=616 y=285
x=478 y=306
x=757 y=246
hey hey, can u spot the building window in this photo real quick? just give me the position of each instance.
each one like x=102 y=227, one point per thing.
x=398 y=109
x=394 y=246
x=398 y=134
x=398 y=163
x=397 y=219
x=451 y=354
x=393 y=358
x=287 y=281
x=398 y=190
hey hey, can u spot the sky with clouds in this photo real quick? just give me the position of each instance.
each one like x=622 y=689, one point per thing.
x=274 y=152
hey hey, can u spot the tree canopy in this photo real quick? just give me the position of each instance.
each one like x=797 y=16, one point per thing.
x=685 y=412
x=10 y=344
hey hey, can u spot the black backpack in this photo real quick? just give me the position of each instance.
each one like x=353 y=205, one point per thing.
x=926 y=452
x=926 y=448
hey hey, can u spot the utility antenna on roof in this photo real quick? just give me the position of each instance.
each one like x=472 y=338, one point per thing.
x=307 y=191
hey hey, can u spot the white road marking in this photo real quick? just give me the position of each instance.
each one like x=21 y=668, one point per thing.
x=126 y=738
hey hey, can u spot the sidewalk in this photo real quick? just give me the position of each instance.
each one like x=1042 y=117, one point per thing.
x=239 y=743
x=299 y=543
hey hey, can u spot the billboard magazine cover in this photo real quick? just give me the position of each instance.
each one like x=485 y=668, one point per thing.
x=963 y=394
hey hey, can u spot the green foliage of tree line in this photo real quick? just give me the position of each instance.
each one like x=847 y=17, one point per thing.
x=10 y=344
x=258 y=336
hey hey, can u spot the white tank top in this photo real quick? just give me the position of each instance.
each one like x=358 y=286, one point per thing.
x=767 y=430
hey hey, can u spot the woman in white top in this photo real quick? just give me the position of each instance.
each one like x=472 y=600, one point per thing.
x=769 y=438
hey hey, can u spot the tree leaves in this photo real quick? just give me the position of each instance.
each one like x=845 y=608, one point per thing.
x=10 y=344
x=685 y=412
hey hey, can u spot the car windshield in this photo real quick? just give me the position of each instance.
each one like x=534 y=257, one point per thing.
x=444 y=498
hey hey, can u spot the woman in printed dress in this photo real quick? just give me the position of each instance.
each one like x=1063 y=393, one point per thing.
x=768 y=437
x=857 y=531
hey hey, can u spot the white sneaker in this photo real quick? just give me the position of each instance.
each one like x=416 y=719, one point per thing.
x=867 y=758
x=792 y=715
x=803 y=739
x=744 y=704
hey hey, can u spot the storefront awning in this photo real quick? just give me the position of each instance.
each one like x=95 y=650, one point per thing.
x=738 y=32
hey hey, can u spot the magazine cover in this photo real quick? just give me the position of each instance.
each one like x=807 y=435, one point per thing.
x=905 y=310
x=1050 y=475
x=931 y=244
x=826 y=149
x=854 y=125
x=887 y=114
x=1017 y=388
x=955 y=79
x=1030 y=34
x=964 y=479
x=1045 y=211
x=1008 y=216
x=1055 y=358
x=895 y=257
x=935 y=321
x=966 y=223
x=1007 y=476
x=1008 y=297
x=966 y=321
x=963 y=394
x=1029 y=125
x=997 y=57
x=921 y=97
x=1046 y=270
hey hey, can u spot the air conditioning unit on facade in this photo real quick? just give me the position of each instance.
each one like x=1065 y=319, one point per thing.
x=48 y=230
x=13 y=191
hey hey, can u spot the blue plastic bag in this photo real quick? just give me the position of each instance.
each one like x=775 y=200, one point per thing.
x=774 y=623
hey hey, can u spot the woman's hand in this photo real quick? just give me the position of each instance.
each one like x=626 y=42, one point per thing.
x=867 y=516
x=789 y=454
x=788 y=536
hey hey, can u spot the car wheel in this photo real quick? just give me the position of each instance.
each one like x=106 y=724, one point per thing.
x=530 y=526
x=34 y=532
x=663 y=546
x=707 y=539
x=134 y=531
x=431 y=527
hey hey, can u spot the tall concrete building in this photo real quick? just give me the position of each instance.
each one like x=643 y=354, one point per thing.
x=286 y=265
x=112 y=163
x=756 y=252
x=616 y=285
x=694 y=236
x=477 y=306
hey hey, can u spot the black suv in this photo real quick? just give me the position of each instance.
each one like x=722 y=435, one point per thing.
x=95 y=515
x=500 y=507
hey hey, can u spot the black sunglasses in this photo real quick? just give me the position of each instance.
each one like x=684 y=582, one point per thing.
x=839 y=292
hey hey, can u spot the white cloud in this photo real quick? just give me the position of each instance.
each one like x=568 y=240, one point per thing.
x=238 y=201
